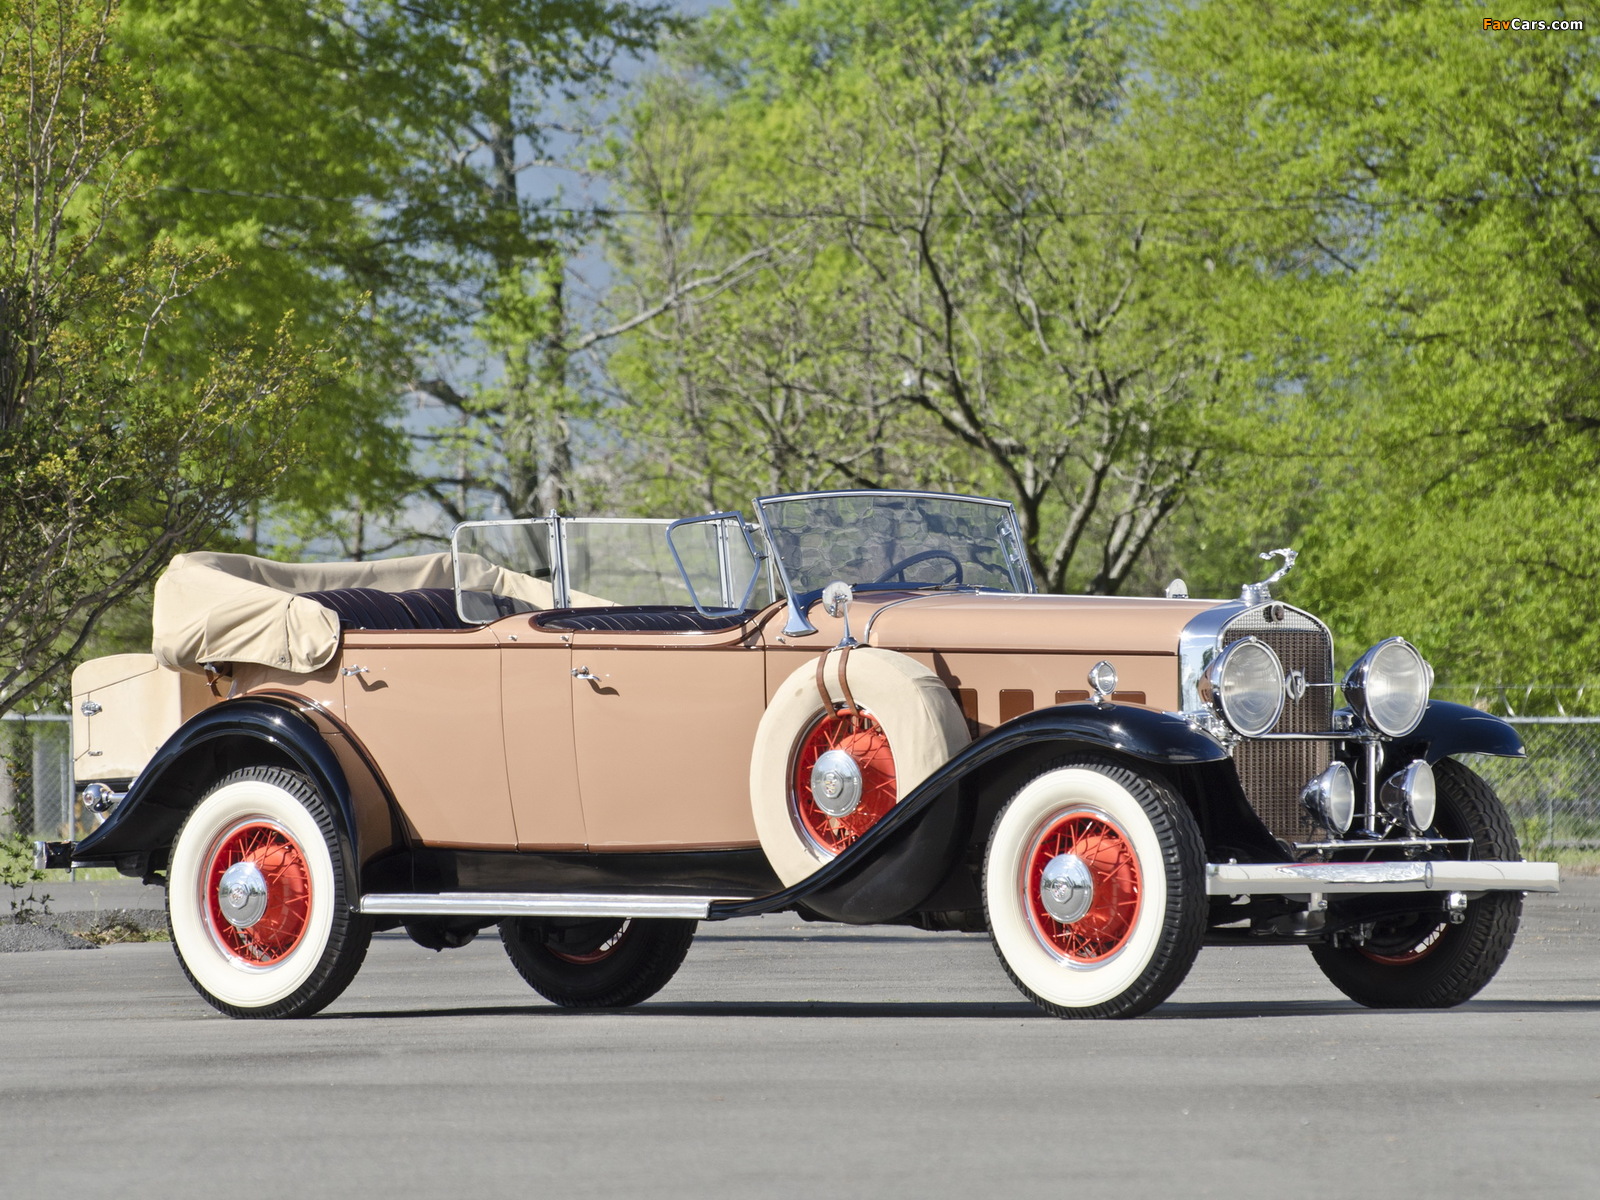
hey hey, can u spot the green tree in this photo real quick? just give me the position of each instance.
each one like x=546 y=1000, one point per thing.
x=932 y=266
x=1416 y=201
x=107 y=465
x=389 y=149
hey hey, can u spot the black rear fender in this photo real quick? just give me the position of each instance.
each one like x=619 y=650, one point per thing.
x=139 y=833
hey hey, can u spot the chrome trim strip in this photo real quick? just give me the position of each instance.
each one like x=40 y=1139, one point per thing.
x=866 y=634
x=1392 y=844
x=535 y=904
x=1280 y=879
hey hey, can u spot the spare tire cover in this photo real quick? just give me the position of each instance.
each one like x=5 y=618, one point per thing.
x=910 y=704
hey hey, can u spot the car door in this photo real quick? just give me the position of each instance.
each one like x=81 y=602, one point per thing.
x=426 y=707
x=536 y=696
x=663 y=724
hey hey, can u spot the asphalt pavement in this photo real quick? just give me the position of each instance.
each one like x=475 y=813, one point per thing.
x=793 y=1060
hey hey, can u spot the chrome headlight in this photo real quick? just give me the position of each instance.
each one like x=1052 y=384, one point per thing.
x=1244 y=684
x=1388 y=687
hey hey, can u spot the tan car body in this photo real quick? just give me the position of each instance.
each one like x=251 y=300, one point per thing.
x=487 y=741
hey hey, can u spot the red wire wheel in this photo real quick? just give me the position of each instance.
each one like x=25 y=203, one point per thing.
x=861 y=737
x=1114 y=869
x=599 y=954
x=283 y=922
x=1420 y=949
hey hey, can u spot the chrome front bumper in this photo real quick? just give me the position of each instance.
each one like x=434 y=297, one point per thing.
x=1299 y=879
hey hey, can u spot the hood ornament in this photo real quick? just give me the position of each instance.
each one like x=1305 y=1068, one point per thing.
x=1260 y=593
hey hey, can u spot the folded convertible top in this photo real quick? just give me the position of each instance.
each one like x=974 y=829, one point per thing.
x=222 y=608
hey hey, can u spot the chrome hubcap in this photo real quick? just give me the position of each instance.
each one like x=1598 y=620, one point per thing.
x=1066 y=889
x=836 y=783
x=242 y=894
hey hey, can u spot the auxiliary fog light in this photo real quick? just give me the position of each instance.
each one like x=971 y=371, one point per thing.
x=1331 y=798
x=1410 y=795
x=1388 y=687
x=1244 y=684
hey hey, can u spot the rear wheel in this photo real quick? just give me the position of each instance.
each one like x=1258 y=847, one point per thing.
x=607 y=963
x=256 y=901
x=1095 y=891
x=1422 y=960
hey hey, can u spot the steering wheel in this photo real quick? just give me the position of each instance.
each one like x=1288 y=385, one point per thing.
x=896 y=573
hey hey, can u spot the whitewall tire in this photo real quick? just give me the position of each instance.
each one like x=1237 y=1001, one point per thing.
x=1094 y=886
x=256 y=899
x=904 y=725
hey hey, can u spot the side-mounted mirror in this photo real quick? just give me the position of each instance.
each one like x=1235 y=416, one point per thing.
x=719 y=561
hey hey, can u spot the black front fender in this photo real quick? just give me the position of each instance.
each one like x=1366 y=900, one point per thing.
x=1448 y=729
x=186 y=766
x=897 y=863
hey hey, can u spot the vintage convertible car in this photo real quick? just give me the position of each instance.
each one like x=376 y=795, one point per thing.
x=595 y=733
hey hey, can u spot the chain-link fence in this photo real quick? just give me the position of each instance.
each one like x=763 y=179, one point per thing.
x=1553 y=794
x=36 y=777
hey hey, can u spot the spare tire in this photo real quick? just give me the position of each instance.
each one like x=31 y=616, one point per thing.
x=885 y=726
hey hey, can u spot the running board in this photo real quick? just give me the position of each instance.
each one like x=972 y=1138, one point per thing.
x=1280 y=879
x=535 y=904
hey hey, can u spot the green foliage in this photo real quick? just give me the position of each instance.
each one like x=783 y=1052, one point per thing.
x=108 y=463
x=905 y=245
x=345 y=152
x=1415 y=204
x=16 y=866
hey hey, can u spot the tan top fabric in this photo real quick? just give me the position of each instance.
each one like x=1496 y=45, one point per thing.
x=220 y=608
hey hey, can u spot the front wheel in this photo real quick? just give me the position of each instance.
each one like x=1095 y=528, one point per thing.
x=1422 y=960
x=1094 y=885
x=256 y=900
x=607 y=963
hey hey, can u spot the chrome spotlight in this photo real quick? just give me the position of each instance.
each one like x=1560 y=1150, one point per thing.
x=1411 y=796
x=1331 y=798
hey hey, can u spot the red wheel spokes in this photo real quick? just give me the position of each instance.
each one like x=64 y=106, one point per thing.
x=1424 y=946
x=599 y=954
x=288 y=911
x=1113 y=867
x=860 y=736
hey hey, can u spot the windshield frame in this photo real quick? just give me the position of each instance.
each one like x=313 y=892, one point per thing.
x=1019 y=561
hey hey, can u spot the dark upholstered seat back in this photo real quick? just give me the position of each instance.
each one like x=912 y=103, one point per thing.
x=368 y=608
x=641 y=618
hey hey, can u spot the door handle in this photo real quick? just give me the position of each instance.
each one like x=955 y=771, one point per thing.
x=352 y=670
x=585 y=674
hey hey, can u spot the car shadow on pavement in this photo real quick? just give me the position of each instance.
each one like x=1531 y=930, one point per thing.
x=715 y=1008
x=959 y=1010
x=1235 y=1009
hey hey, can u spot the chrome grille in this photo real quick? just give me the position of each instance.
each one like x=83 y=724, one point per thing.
x=1273 y=773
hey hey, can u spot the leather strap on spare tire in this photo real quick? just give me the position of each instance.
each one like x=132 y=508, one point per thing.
x=888 y=721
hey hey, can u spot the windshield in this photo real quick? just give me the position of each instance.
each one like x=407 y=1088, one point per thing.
x=584 y=562
x=894 y=539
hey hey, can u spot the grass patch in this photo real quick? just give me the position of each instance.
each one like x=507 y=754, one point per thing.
x=122 y=931
x=1572 y=862
x=88 y=874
